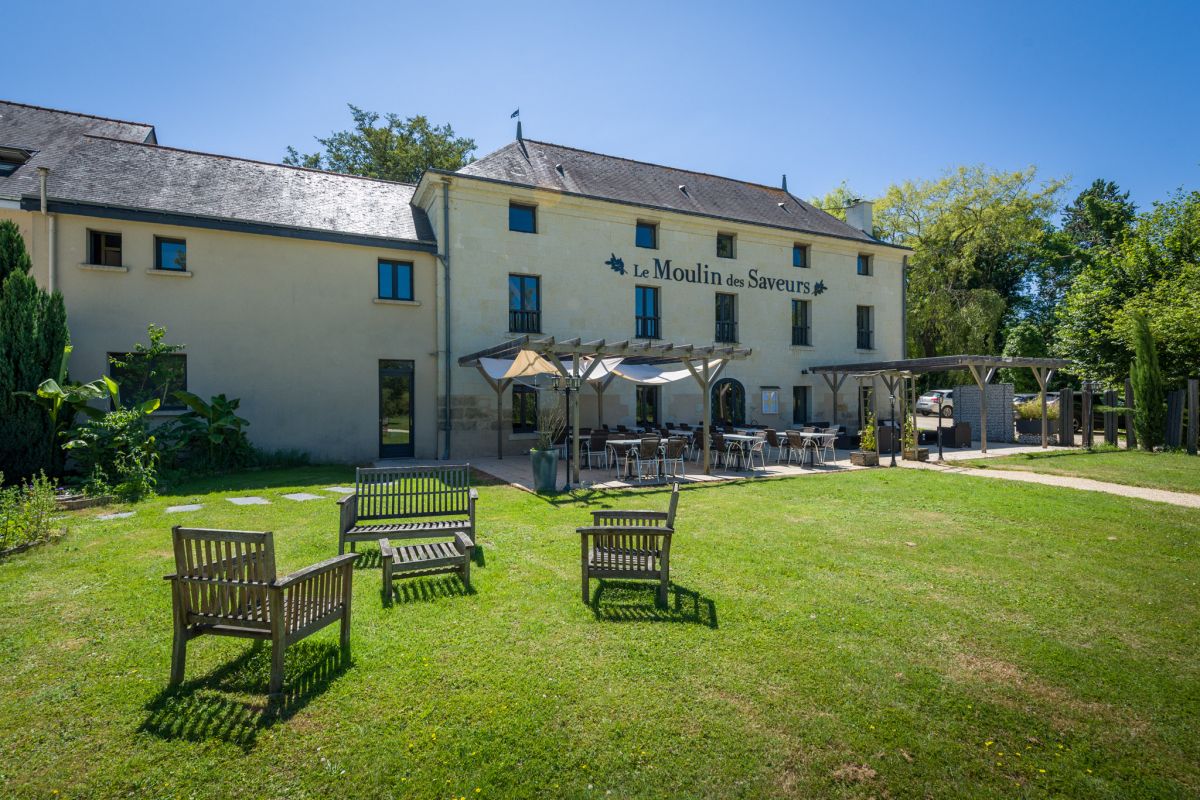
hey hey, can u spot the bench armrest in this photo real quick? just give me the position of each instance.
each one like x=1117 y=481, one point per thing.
x=463 y=542
x=474 y=494
x=347 y=498
x=327 y=565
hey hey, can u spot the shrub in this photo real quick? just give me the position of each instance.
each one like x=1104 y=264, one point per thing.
x=210 y=437
x=866 y=439
x=25 y=512
x=1149 y=395
x=1032 y=409
x=117 y=452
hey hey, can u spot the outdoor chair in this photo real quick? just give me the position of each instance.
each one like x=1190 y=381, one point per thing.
x=826 y=445
x=622 y=429
x=645 y=457
x=797 y=444
x=619 y=455
x=225 y=585
x=756 y=448
x=716 y=448
x=629 y=544
x=673 y=458
x=776 y=443
x=596 y=450
x=408 y=503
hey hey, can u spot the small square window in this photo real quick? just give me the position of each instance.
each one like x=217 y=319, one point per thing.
x=395 y=280
x=726 y=245
x=522 y=218
x=104 y=248
x=864 y=264
x=170 y=254
x=647 y=235
x=800 y=256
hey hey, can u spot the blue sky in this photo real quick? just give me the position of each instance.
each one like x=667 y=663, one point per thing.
x=870 y=93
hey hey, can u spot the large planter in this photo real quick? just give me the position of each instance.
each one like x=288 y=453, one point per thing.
x=1035 y=426
x=545 y=470
x=919 y=454
x=864 y=458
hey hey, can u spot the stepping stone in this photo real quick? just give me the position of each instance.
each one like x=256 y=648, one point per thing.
x=188 y=507
x=248 y=501
x=117 y=515
x=340 y=489
x=300 y=497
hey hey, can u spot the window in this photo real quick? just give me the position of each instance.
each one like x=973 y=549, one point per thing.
x=801 y=323
x=800 y=255
x=11 y=159
x=864 y=264
x=524 y=409
x=395 y=280
x=801 y=397
x=647 y=235
x=8 y=167
x=725 y=245
x=770 y=400
x=141 y=377
x=647 y=406
x=524 y=304
x=522 y=218
x=726 y=317
x=647 y=312
x=170 y=254
x=104 y=248
x=866 y=327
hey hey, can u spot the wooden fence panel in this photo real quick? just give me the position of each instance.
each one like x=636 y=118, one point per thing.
x=1174 y=432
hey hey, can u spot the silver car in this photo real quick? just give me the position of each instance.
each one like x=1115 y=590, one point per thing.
x=938 y=401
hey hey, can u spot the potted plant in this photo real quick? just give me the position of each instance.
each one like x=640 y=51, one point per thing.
x=910 y=450
x=544 y=457
x=1029 y=417
x=865 y=455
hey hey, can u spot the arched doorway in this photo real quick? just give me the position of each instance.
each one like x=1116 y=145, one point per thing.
x=728 y=402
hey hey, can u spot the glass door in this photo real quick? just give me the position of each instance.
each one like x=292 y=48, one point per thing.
x=395 y=409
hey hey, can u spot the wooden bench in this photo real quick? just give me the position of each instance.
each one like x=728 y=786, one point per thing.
x=225 y=584
x=414 y=501
x=413 y=560
x=629 y=544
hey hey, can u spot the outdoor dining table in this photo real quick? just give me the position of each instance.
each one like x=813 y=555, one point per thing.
x=743 y=440
x=631 y=442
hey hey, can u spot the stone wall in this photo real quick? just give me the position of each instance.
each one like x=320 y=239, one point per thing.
x=999 y=412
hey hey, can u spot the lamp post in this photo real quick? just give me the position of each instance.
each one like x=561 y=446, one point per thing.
x=567 y=384
x=892 y=420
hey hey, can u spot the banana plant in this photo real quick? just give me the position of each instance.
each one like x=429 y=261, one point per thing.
x=216 y=424
x=65 y=401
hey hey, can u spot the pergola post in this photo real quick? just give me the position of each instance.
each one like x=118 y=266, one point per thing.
x=981 y=381
x=1043 y=376
x=600 y=386
x=912 y=391
x=705 y=377
x=834 y=384
x=498 y=386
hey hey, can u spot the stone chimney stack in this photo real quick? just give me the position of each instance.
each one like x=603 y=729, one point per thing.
x=858 y=215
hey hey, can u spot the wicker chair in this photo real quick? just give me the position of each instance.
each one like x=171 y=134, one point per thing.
x=675 y=456
x=645 y=456
x=797 y=444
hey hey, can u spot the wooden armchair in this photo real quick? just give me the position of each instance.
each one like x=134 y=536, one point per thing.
x=225 y=584
x=629 y=544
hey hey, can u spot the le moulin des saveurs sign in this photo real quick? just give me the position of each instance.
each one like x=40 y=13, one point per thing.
x=663 y=270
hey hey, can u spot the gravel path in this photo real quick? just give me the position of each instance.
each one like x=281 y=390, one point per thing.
x=1086 y=484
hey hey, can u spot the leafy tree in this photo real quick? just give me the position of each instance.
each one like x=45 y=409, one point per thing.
x=834 y=202
x=1152 y=269
x=977 y=236
x=1099 y=216
x=398 y=150
x=1150 y=414
x=148 y=373
x=1025 y=338
x=33 y=333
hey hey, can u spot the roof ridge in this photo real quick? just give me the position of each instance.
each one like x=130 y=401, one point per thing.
x=75 y=113
x=754 y=184
x=246 y=160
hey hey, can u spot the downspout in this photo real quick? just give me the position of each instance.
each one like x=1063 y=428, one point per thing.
x=445 y=257
x=904 y=308
x=43 y=175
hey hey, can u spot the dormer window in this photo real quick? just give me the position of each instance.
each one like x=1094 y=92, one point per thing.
x=11 y=160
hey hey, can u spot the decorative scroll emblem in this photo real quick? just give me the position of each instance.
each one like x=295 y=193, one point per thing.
x=819 y=287
x=617 y=264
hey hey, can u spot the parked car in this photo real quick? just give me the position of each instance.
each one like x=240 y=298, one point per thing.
x=936 y=401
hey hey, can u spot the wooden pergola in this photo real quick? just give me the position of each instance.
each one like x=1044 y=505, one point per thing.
x=982 y=369
x=704 y=362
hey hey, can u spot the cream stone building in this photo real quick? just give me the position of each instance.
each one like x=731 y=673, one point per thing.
x=337 y=308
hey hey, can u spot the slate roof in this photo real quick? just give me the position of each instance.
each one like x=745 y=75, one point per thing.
x=584 y=173
x=52 y=133
x=128 y=175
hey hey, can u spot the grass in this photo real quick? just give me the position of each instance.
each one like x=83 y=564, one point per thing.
x=884 y=633
x=1174 y=471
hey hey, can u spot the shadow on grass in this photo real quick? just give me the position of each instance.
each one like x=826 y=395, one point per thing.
x=268 y=478
x=598 y=499
x=210 y=708
x=424 y=589
x=628 y=601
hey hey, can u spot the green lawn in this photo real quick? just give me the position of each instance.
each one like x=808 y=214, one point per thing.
x=1175 y=471
x=883 y=633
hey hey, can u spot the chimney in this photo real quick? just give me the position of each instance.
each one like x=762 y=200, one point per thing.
x=858 y=215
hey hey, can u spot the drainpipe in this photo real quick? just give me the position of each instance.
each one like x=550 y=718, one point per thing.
x=904 y=309
x=43 y=174
x=445 y=257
